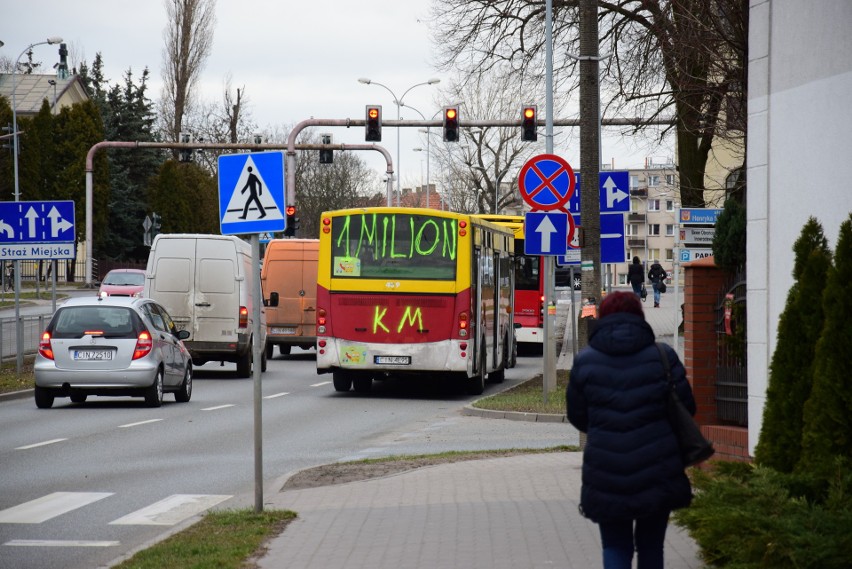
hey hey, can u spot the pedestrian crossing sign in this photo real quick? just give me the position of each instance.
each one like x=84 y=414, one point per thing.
x=251 y=193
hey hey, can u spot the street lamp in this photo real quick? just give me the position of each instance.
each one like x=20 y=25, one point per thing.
x=20 y=331
x=398 y=101
x=49 y=41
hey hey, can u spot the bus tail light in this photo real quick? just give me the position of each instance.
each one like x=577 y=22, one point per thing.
x=321 y=320
x=243 y=317
x=326 y=225
x=44 y=347
x=463 y=324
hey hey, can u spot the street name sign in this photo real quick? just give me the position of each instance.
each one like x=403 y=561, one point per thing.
x=698 y=235
x=699 y=216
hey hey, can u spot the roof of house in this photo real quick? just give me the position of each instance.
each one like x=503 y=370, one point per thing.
x=32 y=89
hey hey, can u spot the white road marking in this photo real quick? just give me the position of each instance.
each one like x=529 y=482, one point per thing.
x=139 y=423
x=320 y=384
x=277 y=395
x=171 y=510
x=41 y=444
x=218 y=407
x=48 y=507
x=60 y=543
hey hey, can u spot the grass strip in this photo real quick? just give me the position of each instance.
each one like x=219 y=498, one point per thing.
x=528 y=397
x=223 y=539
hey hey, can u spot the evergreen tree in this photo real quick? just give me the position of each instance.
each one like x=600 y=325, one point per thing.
x=186 y=197
x=729 y=240
x=791 y=372
x=828 y=412
x=7 y=176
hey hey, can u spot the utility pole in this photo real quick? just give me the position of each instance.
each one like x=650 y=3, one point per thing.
x=590 y=213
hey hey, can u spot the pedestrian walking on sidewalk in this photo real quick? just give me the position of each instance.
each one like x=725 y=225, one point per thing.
x=657 y=275
x=633 y=475
x=636 y=276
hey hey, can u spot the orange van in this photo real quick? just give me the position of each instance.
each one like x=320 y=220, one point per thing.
x=289 y=282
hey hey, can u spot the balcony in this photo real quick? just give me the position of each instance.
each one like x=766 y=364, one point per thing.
x=634 y=243
x=635 y=218
x=641 y=192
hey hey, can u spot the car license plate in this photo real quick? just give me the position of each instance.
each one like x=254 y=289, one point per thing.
x=393 y=360
x=92 y=355
x=284 y=331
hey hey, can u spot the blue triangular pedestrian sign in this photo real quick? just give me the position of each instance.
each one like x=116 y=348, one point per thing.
x=251 y=193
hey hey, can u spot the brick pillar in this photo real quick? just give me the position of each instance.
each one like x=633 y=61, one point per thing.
x=702 y=283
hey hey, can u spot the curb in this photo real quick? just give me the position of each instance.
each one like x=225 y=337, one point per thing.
x=12 y=395
x=513 y=415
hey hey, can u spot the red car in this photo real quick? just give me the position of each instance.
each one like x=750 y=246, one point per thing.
x=123 y=282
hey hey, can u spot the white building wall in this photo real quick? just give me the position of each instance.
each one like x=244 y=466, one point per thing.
x=799 y=157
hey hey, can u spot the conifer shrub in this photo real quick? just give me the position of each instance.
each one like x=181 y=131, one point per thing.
x=729 y=239
x=749 y=517
x=827 y=431
x=792 y=368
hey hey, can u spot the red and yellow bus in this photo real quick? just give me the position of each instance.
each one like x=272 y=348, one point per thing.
x=413 y=291
x=529 y=286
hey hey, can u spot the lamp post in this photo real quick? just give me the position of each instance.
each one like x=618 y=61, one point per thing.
x=19 y=329
x=398 y=101
x=427 y=130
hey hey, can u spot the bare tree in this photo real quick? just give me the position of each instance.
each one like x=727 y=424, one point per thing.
x=483 y=167
x=188 y=40
x=680 y=57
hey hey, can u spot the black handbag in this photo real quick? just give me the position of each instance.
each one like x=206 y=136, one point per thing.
x=661 y=287
x=643 y=293
x=694 y=448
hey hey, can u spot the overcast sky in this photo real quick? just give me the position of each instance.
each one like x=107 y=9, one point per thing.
x=296 y=60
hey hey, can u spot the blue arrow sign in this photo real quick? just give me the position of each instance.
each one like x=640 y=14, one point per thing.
x=614 y=193
x=612 y=241
x=545 y=233
x=37 y=222
x=251 y=193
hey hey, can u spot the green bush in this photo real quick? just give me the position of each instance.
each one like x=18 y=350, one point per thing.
x=750 y=517
x=792 y=368
x=729 y=240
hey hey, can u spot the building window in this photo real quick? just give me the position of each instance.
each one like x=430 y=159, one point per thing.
x=670 y=179
x=653 y=205
x=634 y=181
x=670 y=205
x=653 y=254
x=669 y=230
x=653 y=180
x=669 y=255
x=632 y=229
x=654 y=229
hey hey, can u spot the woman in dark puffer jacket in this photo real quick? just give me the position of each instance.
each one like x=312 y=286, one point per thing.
x=633 y=476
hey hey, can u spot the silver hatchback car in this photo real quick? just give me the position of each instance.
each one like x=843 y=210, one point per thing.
x=115 y=346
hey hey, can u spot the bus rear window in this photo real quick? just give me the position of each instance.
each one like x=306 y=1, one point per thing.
x=394 y=246
x=526 y=272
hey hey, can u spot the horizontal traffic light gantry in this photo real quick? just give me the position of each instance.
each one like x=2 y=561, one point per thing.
x=373 y=127
x=451 y=124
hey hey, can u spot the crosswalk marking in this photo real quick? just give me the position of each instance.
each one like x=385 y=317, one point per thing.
x=216 y=408
x=171 y=510
x=48 y=507
x=60 y=543
x=138 y=423
x=41 y=444
x=277 y=395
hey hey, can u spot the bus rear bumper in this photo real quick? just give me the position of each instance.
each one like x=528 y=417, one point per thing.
x=444 y=356
x=527 y=335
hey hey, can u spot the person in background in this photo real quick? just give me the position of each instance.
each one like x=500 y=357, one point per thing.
x=633 y=475
x=636 y=276
x=656 y=275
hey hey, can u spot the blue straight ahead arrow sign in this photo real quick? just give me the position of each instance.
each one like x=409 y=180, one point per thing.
x=546 y=233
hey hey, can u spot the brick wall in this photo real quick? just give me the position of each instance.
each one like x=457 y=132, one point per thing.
x=703 y=281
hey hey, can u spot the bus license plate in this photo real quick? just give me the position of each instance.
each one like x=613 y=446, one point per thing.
x=283 y=331
x=393 y=360
x=92 y=355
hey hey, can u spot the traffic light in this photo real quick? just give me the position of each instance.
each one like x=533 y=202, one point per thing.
x=185 y=155
x=326 y=155
x=451 y=124
x=292 y=221
x=529 y=123
x=373 y=130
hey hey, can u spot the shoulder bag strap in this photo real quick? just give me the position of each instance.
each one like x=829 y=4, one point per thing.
x=665 y=359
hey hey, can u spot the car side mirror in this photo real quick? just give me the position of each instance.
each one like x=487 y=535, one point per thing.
x=183 y=334
x=273 y=299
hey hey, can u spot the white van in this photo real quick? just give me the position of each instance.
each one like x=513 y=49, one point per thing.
x=205 y=282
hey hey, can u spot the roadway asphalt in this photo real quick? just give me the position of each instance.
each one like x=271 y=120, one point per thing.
x=519 y=511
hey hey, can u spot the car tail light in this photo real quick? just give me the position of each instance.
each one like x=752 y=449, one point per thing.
x=144 y=344
x=44 y=347
x=243 y=317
